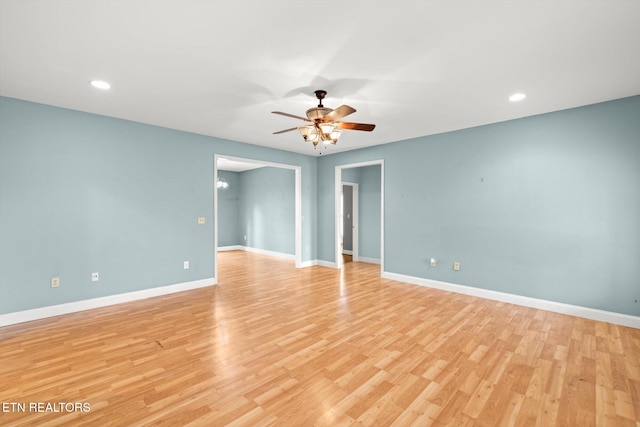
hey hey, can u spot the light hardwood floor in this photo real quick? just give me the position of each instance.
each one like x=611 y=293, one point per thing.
x=273 y=345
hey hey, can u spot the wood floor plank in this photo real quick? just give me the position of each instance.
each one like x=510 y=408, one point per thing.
x=273 y=345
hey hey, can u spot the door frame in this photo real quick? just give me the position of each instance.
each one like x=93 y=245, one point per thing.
x=336 y=204
x=355 y=230
x=298 y=204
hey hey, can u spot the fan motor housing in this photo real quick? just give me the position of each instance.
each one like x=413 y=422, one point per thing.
x=318 y=113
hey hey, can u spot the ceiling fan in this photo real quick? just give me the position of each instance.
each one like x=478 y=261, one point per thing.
x=324 y=122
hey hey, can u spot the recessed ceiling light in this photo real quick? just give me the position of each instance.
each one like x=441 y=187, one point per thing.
x=517 y=97
x=100 y=84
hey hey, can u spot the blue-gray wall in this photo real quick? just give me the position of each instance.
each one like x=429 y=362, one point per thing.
x=267 y=209
x=546 y=206
x=347 y=218
x=81 y=193
x=257 y=209
x=369 y=211
x=229 y=210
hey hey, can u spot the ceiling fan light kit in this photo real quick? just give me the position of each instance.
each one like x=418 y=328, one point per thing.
x=325 y=125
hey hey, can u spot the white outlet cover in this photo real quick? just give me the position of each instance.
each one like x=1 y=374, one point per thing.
x=95 y=277
x=186 y=265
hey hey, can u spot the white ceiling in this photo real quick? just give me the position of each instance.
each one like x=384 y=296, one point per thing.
x=232 y=165
x=411 y=67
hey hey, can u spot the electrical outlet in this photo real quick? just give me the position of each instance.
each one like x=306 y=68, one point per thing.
x=433 y=263
x=95 y=277
x=186 y=265
x=201 y=220
x=55 y=282
x=456 y=266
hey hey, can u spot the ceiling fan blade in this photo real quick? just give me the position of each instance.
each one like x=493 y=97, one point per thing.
x=286 y=130
x=291 y=115
x=355 y=126
x=338 y=113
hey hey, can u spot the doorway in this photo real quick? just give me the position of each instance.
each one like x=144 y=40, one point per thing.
x=220 y=162
x=379 y=226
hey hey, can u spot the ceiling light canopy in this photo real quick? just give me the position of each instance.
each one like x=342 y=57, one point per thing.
x=100 y=84
x=517 y=97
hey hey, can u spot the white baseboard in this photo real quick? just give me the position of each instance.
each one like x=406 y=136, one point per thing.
x=557 y=307
x=369 y=260
x=230 y=248
x=270 y=253
x=75 y=306
x=347 y=252
x=258 y=251
x=305 y=264
x=328 y=264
